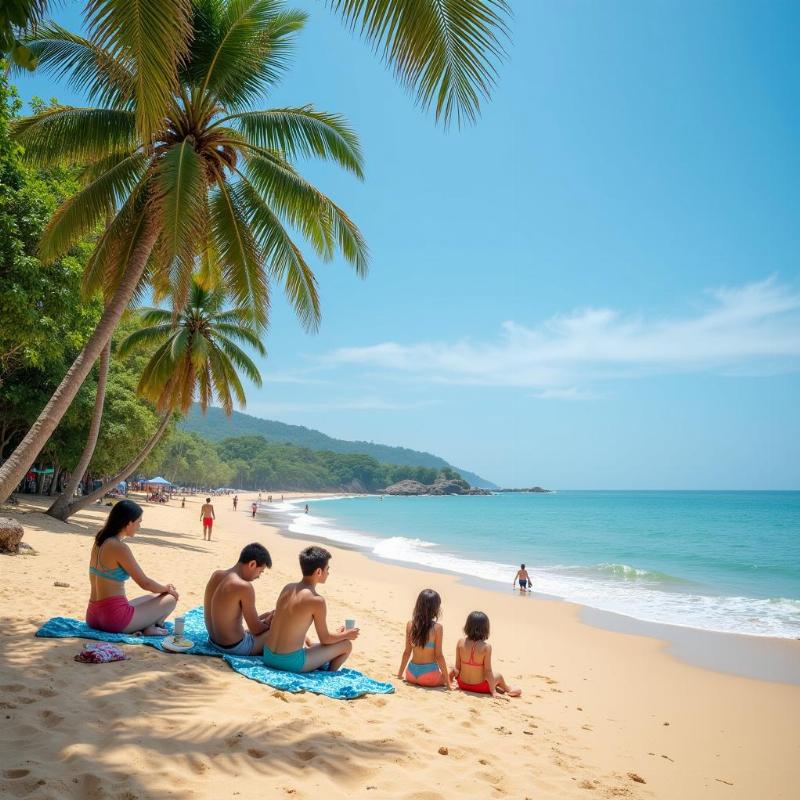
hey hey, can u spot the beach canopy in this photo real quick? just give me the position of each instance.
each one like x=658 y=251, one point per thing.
x=159 y=481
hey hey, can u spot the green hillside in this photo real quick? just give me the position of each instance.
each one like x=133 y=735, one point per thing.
x=215 y=426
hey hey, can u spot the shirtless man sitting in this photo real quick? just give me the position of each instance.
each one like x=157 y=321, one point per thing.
x=299 y=605
x=230 y=597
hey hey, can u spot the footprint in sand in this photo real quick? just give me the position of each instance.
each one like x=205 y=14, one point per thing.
x=305 y=755
x=46 y=692
x=254 y=753
x=51 y=719
x=15 y=774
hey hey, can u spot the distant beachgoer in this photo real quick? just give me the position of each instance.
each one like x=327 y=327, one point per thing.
x=183 y=502
x=427 y=666
x=253 y=509
x=281 y=498
x=306 y=508
x=525 y=583
x=235 y=501
x=269 y=499
x=259 y=497
x=230 y=600
x=208 y=516
x=111 y=564
x=287 y=646
x=473 y=669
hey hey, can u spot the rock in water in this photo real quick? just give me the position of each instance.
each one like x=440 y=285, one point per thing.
x=11 y=533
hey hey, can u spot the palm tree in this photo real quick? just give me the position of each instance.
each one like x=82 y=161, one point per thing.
x=441 y=50
x=196 y=356
x=214 y=183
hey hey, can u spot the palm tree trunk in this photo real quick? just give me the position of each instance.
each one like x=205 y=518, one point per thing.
x=14 y=469
x=123 y=474
x=59 y=507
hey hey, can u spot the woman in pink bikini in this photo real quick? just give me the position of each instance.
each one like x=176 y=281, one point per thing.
x=427 y=666
x=473 y=669
x=111 y=564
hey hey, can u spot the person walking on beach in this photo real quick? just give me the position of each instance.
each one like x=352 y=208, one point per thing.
x=235 y=501
x=473 y=669
x=525 y=583
x=298 y=606
x=306 y=508
x=427 y=666
x=230 y=600
x=111 y=564
x=208 y=516
x=253 y=509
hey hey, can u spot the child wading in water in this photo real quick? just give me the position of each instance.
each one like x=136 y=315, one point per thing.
x=474 y=660
x=427 y=666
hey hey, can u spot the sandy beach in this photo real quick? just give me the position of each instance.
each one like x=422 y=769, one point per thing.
x=603 y=713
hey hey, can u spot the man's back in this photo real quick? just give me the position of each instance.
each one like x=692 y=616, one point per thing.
x=222 y=605
x=207 y=510
x=294 y=613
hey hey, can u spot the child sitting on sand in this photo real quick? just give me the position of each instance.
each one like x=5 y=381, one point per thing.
x=473 y=669
x=427 y=666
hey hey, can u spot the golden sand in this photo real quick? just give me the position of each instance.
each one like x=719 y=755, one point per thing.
x=602 y=715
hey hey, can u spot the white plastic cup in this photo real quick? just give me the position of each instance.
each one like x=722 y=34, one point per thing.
x=180 y=623
x=349 y=624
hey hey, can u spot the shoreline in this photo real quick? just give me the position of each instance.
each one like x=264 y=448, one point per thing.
x=598 y=706
x=766 y=658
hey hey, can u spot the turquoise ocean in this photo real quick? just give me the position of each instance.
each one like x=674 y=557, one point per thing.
x=721 y=561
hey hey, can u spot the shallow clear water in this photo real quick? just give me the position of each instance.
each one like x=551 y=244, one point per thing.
x=726 y=561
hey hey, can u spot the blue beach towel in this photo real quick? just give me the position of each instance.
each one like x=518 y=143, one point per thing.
x=345 y=684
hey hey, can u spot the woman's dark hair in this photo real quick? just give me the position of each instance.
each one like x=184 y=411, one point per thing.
x=477 y=626
x=256 y=552
x=312 y=559
x=120 y=515
x=426 y=610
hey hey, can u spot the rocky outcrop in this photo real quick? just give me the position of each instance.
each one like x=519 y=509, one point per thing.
x=11 y=533
x=442 y=486
x=406 y=488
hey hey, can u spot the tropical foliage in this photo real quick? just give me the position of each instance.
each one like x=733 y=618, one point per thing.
x=197 y=355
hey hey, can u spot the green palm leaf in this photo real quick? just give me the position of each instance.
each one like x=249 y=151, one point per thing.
x=241 y=48
x=242 y=264
x=67 y=135
x=284 y=259
x=441 y=50
x=303 y=132
x=81 y=213
x=88 y=68
x=152 y=37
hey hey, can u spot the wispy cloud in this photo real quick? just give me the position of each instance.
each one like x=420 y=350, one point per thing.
x=756 y=325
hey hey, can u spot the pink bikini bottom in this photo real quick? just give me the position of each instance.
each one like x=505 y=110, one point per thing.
x=112 y=614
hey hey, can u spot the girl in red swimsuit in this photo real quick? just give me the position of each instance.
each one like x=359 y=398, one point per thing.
x=473 y=669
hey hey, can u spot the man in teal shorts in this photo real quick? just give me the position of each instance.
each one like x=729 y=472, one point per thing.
x=287 y=647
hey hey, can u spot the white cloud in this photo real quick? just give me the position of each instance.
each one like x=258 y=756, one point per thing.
x=362 y=404
x=754 y=326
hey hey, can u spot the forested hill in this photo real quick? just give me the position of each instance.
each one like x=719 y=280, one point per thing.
x=215 y=426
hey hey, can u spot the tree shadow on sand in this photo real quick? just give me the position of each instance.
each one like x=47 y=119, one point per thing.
x=156 y=726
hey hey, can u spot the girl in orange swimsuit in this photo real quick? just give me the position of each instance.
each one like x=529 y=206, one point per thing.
x=426 y=666
x=473 y=669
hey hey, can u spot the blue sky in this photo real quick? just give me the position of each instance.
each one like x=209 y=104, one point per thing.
x=596 y=286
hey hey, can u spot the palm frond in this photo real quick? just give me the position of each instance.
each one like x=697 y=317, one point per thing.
x=180 y=198
x=239 y=359
x=304 y=206
x=143 y=338
x=241 y=48
x=242 y=265
x=284 y=259
x=443 y=51
x=79 y=215
x=152 y=37
x=89 y=69
x=119 y=241
x=303 y=132
x=67 y=135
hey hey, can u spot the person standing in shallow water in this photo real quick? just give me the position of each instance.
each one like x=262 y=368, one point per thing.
x=110 y=565
x=525 y=583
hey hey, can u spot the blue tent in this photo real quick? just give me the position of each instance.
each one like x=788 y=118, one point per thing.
x=159 y=481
